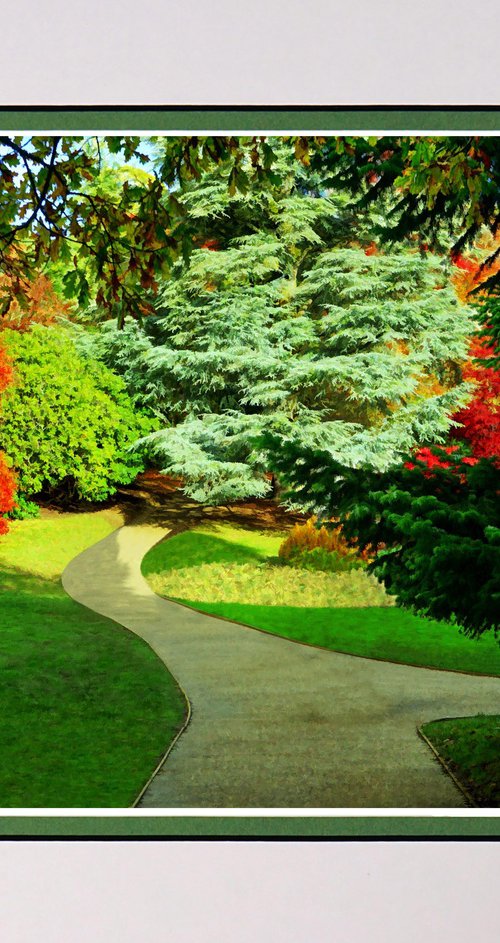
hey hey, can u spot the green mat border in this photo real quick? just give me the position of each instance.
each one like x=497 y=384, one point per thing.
x=197 y=119
x=218 y=827
x=223 y=118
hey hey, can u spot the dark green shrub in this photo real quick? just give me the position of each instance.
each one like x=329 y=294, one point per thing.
x=440 y=527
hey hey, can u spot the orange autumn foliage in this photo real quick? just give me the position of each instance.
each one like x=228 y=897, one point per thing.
x=42 y=304
x=7 y=492
x=470 y=274
x=305 y=537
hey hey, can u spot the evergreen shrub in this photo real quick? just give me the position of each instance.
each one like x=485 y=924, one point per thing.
x=434 y=530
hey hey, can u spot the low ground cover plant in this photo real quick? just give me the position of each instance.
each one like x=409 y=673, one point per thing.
x=23 y=509
x=270 y=585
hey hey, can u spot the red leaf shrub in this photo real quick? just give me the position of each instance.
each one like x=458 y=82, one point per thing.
x=7 y=492
x=480 y=420
x=7 y=477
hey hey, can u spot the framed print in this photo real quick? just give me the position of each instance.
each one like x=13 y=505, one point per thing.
x=249 y=488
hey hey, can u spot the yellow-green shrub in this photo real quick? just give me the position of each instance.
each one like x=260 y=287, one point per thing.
x=67 y=422
x=319 y=548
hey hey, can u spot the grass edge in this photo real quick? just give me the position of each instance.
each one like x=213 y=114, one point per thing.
x=323 y=648
x=173 y=743
x=463 y=789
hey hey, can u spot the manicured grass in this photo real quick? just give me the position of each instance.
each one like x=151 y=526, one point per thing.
x=223 y=571
x=388 y=633
x=44 y=546
x=86 y=708
x=471 y=748
x=219 y=543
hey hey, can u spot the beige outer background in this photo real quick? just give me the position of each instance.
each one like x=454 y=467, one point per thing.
x=244 y=892
x=266 y=51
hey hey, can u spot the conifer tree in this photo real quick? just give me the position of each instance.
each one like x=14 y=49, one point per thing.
x=431 y=525
x=287 y=319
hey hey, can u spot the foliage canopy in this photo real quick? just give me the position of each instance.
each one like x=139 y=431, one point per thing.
x=288 y=319
x=57 y=201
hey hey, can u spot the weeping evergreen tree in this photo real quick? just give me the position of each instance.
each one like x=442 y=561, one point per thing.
x=287 y=320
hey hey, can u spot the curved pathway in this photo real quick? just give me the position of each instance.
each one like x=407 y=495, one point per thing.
x=275 y=723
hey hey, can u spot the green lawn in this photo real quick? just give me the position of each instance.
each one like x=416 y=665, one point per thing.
x=87 y=709
x=234 y=573
x=471 y=748
x=44 y=546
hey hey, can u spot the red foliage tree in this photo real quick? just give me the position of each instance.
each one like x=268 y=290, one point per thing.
x=7 y=477
x=481 y=418
x=479 y=421
x=7 y=491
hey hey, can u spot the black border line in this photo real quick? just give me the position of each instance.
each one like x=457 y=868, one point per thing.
x=248 y=108
x=284 y=839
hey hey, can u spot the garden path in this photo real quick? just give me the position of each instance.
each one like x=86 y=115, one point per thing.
x=277 y=724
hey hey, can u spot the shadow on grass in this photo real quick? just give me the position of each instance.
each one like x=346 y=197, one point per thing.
x=16 y=580
x=194 y=549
